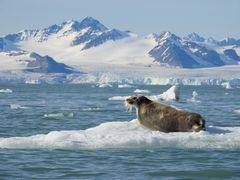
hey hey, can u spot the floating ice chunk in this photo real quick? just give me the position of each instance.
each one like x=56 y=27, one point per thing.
x=32 y=81
x=237 y=111
x=171 y=94
x=141 y=91
x=124 y=86
x=71 y=115
x=6 y=91
x=194 y=97
x=104 y=85
x=54 y=115
x=227 y=85
x=194 y=94
x=17 y=106
x=118 y=98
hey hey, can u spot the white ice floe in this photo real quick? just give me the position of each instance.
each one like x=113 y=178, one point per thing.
x=194 y=94
x=194 y=97
x=104 y=85
x=32 y=81
x=141 y=91
x=71 y=115
x=227 y=85
x=118 y=98
x=124 y=86
x=54 y=115
x=6 y=91
x=18 y=106
x=127 y=134
x=237 y=111
x=171 y=94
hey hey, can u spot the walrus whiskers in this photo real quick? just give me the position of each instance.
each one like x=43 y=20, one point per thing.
x=128 y=106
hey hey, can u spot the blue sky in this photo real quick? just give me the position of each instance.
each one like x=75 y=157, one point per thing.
x=215 y=18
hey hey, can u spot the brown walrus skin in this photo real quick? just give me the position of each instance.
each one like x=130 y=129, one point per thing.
x=156 y=116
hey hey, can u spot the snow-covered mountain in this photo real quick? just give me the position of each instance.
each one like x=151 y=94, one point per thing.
x=194 y=37
x=89 y=33
x=89 y=46
x=192 y=51
x=69 y=41
x=171 y=52
x=32 y=62
x=46 y=64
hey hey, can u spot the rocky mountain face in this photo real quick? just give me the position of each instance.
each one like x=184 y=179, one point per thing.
x=1 y=44
x=170 y=51
x=190 y=52
x=35 y=63
x=231 y=53
x=46 y=64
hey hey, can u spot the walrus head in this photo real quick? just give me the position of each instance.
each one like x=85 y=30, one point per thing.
x=135 y=101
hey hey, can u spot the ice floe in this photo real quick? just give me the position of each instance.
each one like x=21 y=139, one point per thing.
x=127 y=134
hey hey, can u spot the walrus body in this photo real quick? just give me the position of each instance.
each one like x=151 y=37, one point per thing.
x=156 y=116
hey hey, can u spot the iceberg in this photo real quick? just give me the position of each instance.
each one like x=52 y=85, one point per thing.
x=171 y=94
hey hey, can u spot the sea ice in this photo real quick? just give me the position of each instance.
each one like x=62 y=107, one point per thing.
x=171 y=94
x=104 y=85
x=6 y=91
x=127 y=134
x=227 y=85
x=118 y=98
x=139 y=91
x=124 y=86
x=17 y=106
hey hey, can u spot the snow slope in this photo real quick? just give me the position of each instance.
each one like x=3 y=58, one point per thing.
x=125 y=51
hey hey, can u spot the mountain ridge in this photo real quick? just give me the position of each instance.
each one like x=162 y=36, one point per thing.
x=72 y=38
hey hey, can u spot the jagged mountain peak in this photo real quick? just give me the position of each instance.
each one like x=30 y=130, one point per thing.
x=229 y=41
x=70 y=25
x=78 y=25
x=69 y=22
x=194 y=37
x=211 y=40
x=93 y=23
x=67 y=26
x=187 y=53
x=87 y=22
x=167 y=35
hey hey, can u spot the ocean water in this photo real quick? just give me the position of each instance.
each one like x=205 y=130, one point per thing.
x=84 y=132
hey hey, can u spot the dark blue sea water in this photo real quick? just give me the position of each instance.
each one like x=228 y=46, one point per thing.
x=76 y=132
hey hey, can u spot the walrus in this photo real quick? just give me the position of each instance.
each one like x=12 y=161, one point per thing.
x=160 y=117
